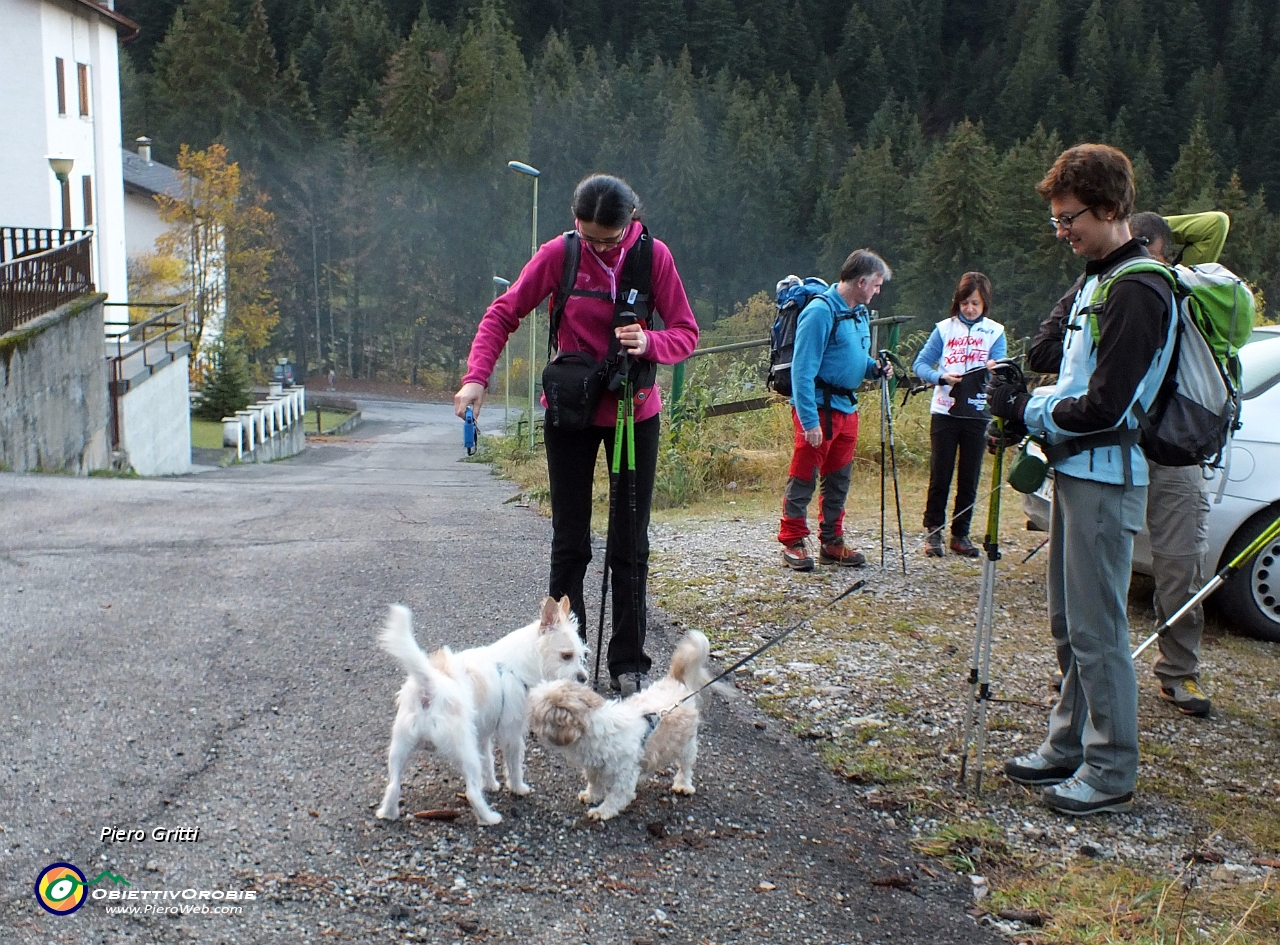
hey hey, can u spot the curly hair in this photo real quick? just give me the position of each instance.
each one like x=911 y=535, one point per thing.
x=1098 y=175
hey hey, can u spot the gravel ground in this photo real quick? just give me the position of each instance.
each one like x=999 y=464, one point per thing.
x=199 y=653
x=876 y=685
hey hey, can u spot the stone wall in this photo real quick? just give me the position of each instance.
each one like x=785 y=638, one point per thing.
x=53 y=392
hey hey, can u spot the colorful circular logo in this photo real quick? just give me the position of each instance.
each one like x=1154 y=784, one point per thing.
x=60 y=888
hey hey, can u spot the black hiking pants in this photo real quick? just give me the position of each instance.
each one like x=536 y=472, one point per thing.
x=571 y=467
x=948 y=436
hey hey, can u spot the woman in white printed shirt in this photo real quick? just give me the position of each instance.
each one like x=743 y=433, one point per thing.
x=954 y=359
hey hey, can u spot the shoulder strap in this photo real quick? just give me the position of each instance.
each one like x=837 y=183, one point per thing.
x=635 y=288
x=1138 y=267
x=568 y=276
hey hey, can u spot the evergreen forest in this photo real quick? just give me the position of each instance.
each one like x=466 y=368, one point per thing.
x=764 y=136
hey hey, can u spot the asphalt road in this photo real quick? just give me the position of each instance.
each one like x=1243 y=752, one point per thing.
x=198 y=653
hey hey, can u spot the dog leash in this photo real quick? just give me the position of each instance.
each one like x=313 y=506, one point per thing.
x=774 y=642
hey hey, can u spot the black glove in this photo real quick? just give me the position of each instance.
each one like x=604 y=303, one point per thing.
x=1006 y=398
x=1014 y=433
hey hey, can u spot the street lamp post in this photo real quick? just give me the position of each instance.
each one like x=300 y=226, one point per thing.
x=61 y=167
x=533 y=172
x=500 y=285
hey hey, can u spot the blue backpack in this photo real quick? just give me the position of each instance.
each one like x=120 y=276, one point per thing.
x=793 y=295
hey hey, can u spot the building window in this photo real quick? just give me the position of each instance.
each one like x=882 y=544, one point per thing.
x=66 y=204
x=62 y=86
x=86 y=186
x=82 y=72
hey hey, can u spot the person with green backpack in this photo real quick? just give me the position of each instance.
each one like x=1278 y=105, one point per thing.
x=1088 y=762
x=1177 y=506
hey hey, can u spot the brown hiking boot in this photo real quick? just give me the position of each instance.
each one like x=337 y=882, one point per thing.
x=963 y=545
x=933 y=545
x=797 y=557
x=839 y=553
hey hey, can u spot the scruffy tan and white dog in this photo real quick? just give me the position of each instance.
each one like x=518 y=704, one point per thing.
x=615 y=741
x=460 y=704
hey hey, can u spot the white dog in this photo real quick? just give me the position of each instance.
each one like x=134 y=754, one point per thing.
x=615 y=741
x=461 y=703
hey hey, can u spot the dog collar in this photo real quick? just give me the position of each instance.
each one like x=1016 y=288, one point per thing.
x=654 y=719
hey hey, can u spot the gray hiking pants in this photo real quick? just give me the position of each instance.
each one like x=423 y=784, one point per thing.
x=1178 y=521
x=1094 y=726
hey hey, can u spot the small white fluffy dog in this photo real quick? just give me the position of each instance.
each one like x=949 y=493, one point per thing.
x=615 y=741
x=459 y=704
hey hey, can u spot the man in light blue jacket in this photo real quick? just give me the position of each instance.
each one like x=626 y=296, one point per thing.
x=831 y=359
x=1111 y=350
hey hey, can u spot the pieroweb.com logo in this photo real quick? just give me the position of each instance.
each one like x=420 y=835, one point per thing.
x=61 y=888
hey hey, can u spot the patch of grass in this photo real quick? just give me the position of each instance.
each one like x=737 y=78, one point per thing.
x=113 y=474
x=866 y=764
x=967 y=847
x=206 y=434
x=1102 y=903
x=330 y=418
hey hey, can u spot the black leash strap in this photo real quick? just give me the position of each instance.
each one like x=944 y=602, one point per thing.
x=775 y=641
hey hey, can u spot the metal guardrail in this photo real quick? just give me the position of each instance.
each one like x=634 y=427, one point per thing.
x=758 y=403
x=141 y=348
x=40 y=281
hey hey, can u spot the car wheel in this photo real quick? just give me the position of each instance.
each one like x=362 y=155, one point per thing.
x=1251 y=598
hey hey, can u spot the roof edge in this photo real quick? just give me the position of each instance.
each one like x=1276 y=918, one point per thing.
x=124 y=26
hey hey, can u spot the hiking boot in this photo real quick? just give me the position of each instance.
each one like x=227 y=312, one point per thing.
x=1186 y=696
x=933 y=546
x=1079 y=799
x=628 y=684
x=961 y=545
x=1034 y=771
x=797 y=557
x=837 y=552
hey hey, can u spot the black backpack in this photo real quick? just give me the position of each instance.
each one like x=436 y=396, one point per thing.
x=635 y=300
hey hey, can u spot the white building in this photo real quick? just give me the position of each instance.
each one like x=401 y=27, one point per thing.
x=60 y=96
x=144 y=178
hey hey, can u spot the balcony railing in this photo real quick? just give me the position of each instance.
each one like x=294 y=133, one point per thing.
x=40 y=270
x=16 y=241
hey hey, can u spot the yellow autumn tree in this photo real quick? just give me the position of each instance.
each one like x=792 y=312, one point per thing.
x=225 y=240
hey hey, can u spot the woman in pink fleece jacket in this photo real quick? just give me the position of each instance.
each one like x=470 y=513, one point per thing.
x=606 y=214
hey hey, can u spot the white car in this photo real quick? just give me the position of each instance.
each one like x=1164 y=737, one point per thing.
x=1250 y=601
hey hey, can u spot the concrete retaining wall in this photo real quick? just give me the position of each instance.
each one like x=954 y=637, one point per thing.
x=155 y=422
x=53 y=392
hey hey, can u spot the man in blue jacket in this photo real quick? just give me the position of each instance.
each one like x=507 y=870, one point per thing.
x=831 y=359
x=1110 y=352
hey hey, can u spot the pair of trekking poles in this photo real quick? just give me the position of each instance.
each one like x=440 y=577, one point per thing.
x=624 y=435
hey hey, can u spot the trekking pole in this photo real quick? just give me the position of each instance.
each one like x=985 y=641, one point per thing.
x=618 y=426
x=883 y=414
x=636 y=609
x=1251 y=551
x=887 y=408
x=979 y=684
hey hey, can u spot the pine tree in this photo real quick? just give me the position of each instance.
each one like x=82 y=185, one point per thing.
x=868 y=208
x=954 y=206
x=1036 y=88
x=356 y=43
x=413 y=92
x=1243 y=58
x=1193 y=180
x=197 y=65
x=1150 y=114
x=226 y=388
x=1092 y=78
x=1253 y=246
